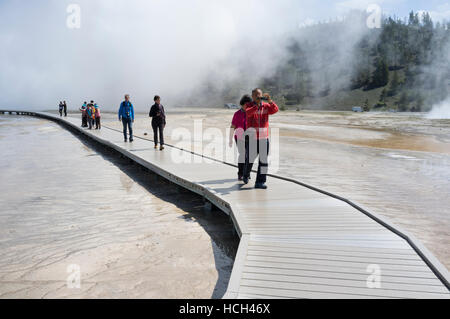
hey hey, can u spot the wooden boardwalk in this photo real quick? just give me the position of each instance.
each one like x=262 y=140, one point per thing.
x=296 y=242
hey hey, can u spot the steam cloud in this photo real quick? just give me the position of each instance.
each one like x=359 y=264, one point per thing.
x=138 y=47
x=440 y=68
x=440 y=110
x=170 y=48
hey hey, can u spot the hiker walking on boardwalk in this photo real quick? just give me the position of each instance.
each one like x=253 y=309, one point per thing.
x=126 y=115
x=83 y=110
x=158 y=116
x=97 y=115
x=238 y=127
x=65 y=108
x=258 y=132
x=90 y=114
x=61 y=107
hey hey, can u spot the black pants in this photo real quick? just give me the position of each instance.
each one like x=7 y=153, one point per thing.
x=242 y=146
x=97 y=123
x=158 y=127
x=65 y=111
x=84 y=120
x=60 y=112
x=257 y=148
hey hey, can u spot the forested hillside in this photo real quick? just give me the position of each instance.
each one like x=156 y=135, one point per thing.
x=404 y=65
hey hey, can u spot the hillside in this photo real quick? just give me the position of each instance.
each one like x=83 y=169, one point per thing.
x=402 y=66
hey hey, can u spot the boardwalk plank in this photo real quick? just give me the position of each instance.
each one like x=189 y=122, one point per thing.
x=386 y=278
x=362 y=283
x=375 y=292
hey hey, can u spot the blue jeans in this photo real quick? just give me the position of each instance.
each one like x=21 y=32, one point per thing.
x=127 y=122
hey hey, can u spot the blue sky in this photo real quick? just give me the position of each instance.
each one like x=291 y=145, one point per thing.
x=324 y=9
x=329 y=9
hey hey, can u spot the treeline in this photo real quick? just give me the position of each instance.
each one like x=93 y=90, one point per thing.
x=403 y=65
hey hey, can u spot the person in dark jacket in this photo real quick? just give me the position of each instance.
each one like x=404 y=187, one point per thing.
x=126 y=115
x=158 y=116
x=84 y=118
x=61 y=107
x=65 y=108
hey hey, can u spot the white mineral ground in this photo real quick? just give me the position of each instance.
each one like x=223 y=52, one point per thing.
x=394 y=164
x=64 y=204
x=82 y=209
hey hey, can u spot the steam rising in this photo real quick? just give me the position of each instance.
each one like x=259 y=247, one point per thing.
x=186 y=51
x=138 y=47
x=440 y=110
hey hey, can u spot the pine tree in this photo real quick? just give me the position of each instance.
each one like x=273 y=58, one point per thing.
x=413 y=19
x=383 y=95
x=366 y=107
x=419 y=103
x=402 y=103
x=394 y=85
x=380 y=76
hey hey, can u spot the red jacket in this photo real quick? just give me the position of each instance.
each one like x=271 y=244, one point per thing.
x=258 y=117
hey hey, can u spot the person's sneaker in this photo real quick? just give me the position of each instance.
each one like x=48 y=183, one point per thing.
x=245 y=180
x=261 y=185
x=161 y=148
x=131 y=139
x=156 y=146
x=125 y=140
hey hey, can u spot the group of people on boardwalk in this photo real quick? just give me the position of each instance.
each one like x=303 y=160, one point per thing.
x=62 y=108
x=157 y=113
x=90 y=115
x=250 y=129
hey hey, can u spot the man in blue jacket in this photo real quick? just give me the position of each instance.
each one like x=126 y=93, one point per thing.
x=126 y=115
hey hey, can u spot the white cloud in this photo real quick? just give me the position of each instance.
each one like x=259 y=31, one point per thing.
x=442 y=13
